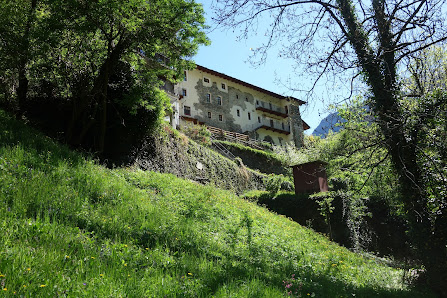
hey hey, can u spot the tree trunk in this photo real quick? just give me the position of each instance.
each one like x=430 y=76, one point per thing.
x=22 y=88
x=429 y=238
x=99 y=90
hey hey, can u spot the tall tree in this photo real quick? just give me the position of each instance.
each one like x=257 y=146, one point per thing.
x=132 y=31
x=374 y=38
x=25 y=32
x=72 y=49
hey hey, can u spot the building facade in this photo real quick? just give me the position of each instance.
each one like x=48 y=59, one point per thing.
x=215 y=99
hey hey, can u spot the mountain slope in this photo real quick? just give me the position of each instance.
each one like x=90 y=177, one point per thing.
x=328 y=124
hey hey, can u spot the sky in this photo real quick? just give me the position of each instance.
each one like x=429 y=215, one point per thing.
x=228 y=55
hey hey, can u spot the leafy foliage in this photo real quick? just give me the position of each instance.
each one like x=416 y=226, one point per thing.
x=100 y=63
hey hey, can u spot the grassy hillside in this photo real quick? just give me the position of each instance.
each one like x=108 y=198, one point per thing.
x=70 y=227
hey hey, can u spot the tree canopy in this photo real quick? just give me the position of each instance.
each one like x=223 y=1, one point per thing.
x=101 y=58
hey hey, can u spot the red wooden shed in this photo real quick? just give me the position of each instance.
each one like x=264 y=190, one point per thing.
x=310 y=177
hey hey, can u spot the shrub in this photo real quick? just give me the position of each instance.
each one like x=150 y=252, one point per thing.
x=198 y=133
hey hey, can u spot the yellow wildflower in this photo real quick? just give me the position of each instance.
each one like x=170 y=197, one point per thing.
x=42 y=286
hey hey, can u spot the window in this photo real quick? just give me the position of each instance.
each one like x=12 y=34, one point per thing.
x=257 y=102
x=223 y=86
x=238 y=113
x=208 y=98
x=187 y=110
x=209 y=115
x=185 y=78
x=282 y=125
x=237 y=96
x=246 y=99
x=270 y=106
x=249 y=116
x=219 y=100
x=220 y=118
x=287 y=109
x=206 y=80
x=259 y=119
x=271 y=123
x=184 y=92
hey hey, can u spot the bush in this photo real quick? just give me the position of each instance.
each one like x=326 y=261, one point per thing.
x=273 y=183
x=198 y=133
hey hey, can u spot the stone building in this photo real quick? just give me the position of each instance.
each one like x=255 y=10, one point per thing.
x=218 y=100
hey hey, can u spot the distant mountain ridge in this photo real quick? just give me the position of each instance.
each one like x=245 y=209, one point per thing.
x=328 y=124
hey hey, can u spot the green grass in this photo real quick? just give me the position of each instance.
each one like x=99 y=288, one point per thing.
x=70 y=227
x=268 y=155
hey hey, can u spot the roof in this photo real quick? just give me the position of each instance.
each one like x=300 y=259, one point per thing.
x=305 y=125
x=310 y=162
x=262 y=90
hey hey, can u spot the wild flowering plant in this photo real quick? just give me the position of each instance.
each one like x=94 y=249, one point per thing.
x=294 y=287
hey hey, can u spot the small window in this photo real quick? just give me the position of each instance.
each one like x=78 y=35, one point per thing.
x=185 y=78
x=259 y=119
x=187 y=110
x=238 y=113
x=208 y=98
x=249 y=116
x=271 y=123
x=286 y=109
x=206 y=80
x=270 y=106
x=223 y=86
x=282 y=125
x=219 y=100
x=184 y=92
x=237 y=96
x=209 y=115
x=246 y=99
x=257 y=102
x=220 y=118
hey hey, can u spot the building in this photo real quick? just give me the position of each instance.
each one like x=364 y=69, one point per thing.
x=310 y=177
x=218 y=100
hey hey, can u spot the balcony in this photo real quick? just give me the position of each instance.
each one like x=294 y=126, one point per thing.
x=272 y=125
x=267 y=107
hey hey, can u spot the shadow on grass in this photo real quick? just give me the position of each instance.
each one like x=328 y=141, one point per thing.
x=227 y=268
x=15 y=133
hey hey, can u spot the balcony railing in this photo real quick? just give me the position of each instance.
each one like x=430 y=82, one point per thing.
x=272 y=125
x=271 y=108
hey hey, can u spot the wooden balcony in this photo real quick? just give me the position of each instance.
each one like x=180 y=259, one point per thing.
x=278 y=130
x=272 y=111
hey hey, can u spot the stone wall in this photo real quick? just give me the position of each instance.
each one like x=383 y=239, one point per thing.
x=296 y=125
x=176 y=154
x=230 y=102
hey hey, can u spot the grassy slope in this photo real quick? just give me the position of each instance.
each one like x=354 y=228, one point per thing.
x=70 y=227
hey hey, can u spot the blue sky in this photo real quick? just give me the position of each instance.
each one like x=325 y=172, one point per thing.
x=228 y=55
